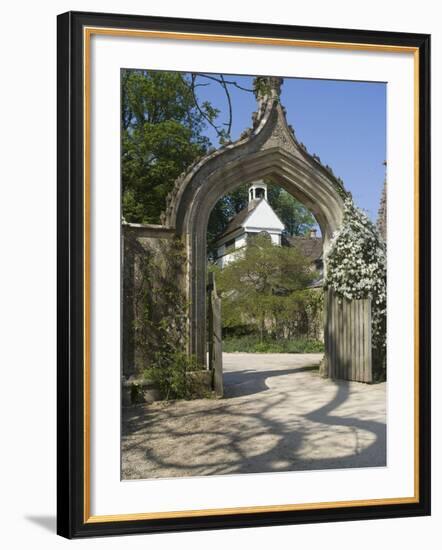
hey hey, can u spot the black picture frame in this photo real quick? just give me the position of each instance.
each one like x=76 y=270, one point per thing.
x=71 y=396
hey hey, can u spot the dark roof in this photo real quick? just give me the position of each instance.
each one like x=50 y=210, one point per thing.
x=237 y=220
x=311 y=247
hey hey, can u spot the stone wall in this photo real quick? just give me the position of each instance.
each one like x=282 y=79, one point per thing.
x=146 y=274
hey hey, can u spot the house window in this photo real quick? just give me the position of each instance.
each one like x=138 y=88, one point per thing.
x=229 y=246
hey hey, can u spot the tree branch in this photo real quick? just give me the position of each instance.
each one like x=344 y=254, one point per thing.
x=197 y=105
x=222 y=133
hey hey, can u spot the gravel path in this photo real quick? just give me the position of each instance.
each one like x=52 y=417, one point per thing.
x=277 y=415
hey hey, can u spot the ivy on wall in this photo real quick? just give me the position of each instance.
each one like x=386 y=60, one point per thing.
x=161 y=323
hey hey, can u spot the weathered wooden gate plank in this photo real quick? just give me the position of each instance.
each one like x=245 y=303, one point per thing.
x=348 y=342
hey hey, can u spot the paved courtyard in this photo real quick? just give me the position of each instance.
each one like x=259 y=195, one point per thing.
x=278 y=414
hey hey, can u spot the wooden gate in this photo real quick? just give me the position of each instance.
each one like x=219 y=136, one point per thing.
x=215 y=337
x=348 y=342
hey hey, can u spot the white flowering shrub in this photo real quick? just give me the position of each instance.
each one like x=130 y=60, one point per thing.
x=357 y=269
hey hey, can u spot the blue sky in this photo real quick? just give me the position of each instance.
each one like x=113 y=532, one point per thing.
x=343 y=122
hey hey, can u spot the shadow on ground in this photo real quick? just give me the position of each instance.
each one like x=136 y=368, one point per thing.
x=249 y=381
x=272 y=419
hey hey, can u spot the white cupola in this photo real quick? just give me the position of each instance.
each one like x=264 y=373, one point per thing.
x=257 y=191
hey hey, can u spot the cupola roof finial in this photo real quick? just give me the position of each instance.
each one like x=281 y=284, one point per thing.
x=257 y=191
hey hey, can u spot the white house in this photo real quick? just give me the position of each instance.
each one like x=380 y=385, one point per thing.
x=257 y=217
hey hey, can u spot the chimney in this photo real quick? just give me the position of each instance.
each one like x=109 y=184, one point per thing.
x=313 y=233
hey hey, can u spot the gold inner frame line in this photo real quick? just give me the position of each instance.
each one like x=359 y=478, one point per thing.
x=87 y=33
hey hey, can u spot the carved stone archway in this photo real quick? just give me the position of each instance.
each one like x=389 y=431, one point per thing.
x=269 y=150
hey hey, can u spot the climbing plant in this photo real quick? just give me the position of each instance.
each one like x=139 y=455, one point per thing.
x=161 y=325
x=357 y=269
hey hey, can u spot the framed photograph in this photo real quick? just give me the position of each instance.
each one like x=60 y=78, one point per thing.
x=243 y=274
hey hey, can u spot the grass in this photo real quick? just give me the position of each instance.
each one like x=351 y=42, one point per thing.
x=252 y=344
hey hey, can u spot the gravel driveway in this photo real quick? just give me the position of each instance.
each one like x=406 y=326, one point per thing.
x=278 y=414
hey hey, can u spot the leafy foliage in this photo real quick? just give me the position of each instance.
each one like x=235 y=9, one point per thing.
x=162 y=134
x=136 y=394
x=252 y=344
x=357 y=268
x=298 y=220
x=161 y=328
x=265 y=288
x=176 y=375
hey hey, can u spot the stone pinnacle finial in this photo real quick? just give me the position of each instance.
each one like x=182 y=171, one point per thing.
x=267 y=87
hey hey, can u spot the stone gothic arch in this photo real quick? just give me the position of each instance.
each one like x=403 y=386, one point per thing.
x=269 y=150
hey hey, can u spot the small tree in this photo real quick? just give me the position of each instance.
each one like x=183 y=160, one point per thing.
x=263 y=284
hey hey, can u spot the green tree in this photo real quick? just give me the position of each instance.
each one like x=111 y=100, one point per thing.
x=264 y=283
x=162 y=134
x=298 y=220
